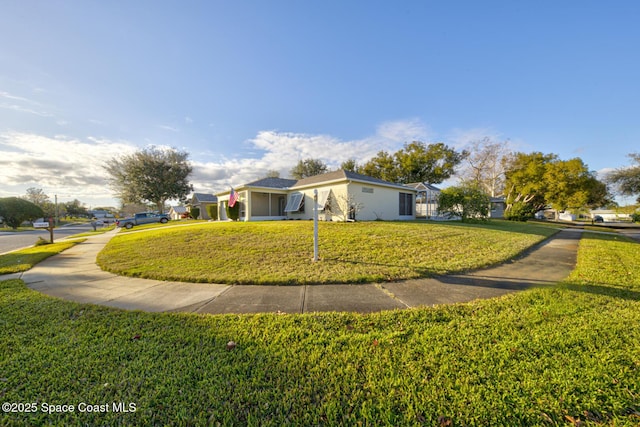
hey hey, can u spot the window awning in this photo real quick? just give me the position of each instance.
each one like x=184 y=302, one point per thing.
x=293 y=203
x=323 y=196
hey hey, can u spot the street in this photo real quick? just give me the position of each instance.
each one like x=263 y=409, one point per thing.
x=10 y=241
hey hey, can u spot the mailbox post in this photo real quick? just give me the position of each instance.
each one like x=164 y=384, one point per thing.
x=50 y=225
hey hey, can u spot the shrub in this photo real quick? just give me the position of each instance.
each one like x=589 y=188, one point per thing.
x=15 y=211
x=212 y=211
x=519 y=212
x=635 y=217
x=234 y=212
x=195 y=212
x=466 y=201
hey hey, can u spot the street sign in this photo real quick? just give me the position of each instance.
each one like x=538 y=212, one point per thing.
x=40 y=225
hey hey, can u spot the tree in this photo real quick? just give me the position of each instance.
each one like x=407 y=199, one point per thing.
x=37 y=196
x=432 y=163
x=350 y=165
x=75 y=208
x=153 y=174
x=524 y=183
x=570 y=185
x=308 y=167
x=627 y=180
x=469 y=202
x=486 y=165
x=15 y=211
x=415 y=162
x=536 y=180
x=382 y=166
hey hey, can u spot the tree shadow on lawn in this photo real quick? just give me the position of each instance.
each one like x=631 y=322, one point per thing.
x=501 y=225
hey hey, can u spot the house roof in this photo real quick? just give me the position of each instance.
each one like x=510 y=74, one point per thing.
x=422 y=186
x=178 y=209
x=204 y=197
x=280 y=183
x=343 y=175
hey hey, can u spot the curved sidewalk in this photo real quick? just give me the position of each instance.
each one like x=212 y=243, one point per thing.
x=74 y=275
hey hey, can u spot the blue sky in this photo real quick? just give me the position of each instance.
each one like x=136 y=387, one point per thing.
x=251 y=86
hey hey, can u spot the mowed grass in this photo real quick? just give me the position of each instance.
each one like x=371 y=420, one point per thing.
x=278 y=253
x=24 y=259
x=556 y=355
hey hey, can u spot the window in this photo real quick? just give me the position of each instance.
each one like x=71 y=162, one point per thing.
x=406 y=204
x=295 y=203
x=368 y=190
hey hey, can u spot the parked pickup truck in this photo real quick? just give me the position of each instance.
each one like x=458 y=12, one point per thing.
x=142 y=218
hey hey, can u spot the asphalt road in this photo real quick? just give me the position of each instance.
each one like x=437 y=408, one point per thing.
x=10 y=241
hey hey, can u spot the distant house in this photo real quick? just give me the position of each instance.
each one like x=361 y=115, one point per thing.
x=426 y=199
x=177 y=212
x=201 y=201
x=342 y=196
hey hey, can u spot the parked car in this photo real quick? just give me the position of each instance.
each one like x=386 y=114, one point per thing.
x=598 y=219
x=142 y=218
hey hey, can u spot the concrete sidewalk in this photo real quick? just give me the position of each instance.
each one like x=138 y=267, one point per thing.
x=74 y=275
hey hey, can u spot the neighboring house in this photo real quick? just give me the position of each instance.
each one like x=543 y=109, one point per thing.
x=176 y=212
x=201 y=201
x=426 y=199
x=342 y=196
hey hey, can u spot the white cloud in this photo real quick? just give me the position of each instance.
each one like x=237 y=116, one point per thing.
x=403 y=131
x=281 y=151
x=60 y=165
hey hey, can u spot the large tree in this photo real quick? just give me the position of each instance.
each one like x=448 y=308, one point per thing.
x=415 y=162
x=432 y=163
x=14 y=211
x=308 y=167
x=382 y=166
x=485 y=165
x=152 y=175
x=536 y=180
x=524 y=183
x=627 y=180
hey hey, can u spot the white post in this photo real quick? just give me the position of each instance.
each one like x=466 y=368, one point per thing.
x=315 y=225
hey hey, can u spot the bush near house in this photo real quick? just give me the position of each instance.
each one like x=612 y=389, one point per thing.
x=195 y=212
x=212 y=211
x=233 y=213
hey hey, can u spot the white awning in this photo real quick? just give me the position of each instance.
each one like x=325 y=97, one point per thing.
x=323 y=196
x=293 y=203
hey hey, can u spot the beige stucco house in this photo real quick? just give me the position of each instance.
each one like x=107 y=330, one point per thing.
x=342 y=196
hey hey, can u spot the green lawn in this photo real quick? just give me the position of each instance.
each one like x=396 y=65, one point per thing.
x=24 y=259
x=560 y=355
x=282 y=252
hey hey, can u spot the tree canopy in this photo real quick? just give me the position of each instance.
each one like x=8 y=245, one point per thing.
x=485 y=165
x=536 y=180
x=154 y=175
x=15 y=211
x=308 y=167
x=627 y=180
x=415 y=162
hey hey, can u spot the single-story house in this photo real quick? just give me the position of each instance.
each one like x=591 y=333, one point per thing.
x=342 y=196
x=201 y=201
x=176 y=212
